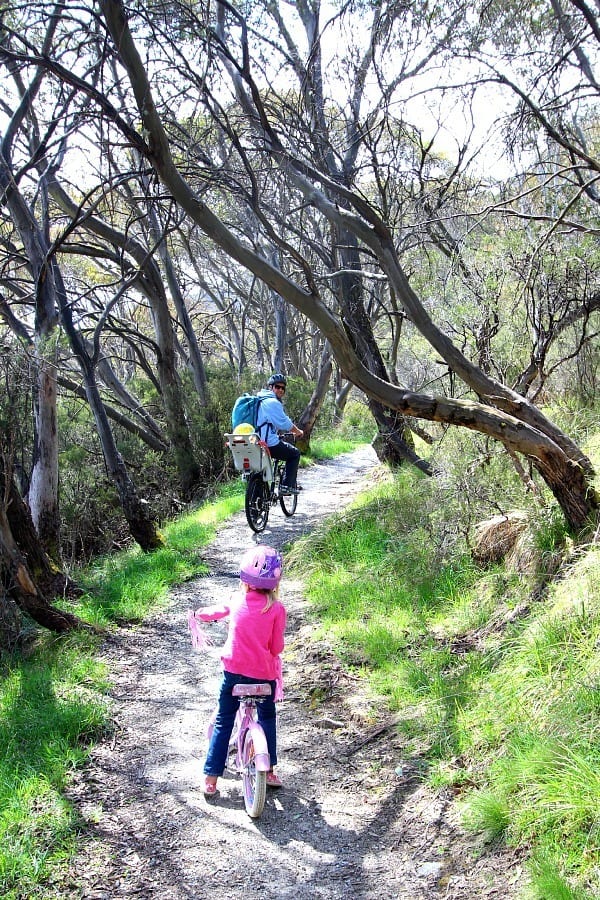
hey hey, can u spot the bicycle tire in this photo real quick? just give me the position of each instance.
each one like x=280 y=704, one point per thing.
x=254 y=783
x=257 y=503
x=288 y=503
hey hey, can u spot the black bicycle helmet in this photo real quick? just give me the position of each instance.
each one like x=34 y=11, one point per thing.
x=277 y=378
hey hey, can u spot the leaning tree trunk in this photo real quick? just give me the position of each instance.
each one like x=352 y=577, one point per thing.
x=394 y=443
x=141 y=525
x=309 y=416
x=23 y=588
x=49 y=579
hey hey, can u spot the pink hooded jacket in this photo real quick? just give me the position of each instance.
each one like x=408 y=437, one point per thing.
x=254 y=639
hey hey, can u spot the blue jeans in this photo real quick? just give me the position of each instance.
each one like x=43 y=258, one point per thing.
x=216 y=758
x=291 y=455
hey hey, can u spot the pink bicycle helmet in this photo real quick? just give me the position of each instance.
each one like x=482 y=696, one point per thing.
x=261 y=567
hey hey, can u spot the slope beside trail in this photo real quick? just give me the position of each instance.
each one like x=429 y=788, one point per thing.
x=354 y=820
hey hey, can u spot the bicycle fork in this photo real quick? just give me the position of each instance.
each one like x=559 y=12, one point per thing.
x=262 y=760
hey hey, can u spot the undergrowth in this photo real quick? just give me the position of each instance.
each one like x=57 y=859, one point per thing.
x=496 y=683
x=53 y=704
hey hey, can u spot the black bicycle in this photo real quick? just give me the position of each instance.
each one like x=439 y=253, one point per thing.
x=262 y=475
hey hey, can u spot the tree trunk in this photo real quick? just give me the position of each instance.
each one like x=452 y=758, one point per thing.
x=50 y=581
x=43 y=485
x=23 y=589
x=309 y=416
x=142 y=527
x=43 y=489
x=341 y=398
x=394 y=443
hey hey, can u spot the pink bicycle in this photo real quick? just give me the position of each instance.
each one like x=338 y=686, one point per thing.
x=252 y=754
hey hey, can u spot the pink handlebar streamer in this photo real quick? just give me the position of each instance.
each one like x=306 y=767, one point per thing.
x=200 y=639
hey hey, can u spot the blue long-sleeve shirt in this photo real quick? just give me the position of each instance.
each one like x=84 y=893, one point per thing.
x=272 y=415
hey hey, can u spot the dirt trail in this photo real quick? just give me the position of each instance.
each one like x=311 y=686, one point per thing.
x=346 y=825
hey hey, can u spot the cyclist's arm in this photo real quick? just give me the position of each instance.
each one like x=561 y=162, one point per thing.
x=212 y=613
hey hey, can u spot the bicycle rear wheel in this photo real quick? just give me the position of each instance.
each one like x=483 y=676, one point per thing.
x=257 y=502
x=254 y=783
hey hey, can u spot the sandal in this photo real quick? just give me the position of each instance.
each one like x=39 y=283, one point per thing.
x=273 y=780
x=210 y=787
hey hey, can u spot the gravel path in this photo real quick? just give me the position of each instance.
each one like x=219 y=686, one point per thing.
x=346 y=825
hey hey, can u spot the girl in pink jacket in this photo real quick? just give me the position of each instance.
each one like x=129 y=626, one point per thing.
x=250 y=654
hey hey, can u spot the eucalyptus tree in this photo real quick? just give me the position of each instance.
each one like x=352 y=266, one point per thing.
x=31 y=255
x=132 y=257
x=29 y=578
x=544 y=57
x=28 y=151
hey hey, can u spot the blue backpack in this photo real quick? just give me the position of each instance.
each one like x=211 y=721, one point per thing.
x=245 y=410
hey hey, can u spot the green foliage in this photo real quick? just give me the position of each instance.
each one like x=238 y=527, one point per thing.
x=125 y=586
x=357 y=422
x=51 y=708
x=548 y=884
x=92 y=521
x=550 y=533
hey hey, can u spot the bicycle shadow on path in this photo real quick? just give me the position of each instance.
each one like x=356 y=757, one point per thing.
x=339 y=828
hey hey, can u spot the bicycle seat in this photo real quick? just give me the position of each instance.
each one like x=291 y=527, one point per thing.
x=251 y=690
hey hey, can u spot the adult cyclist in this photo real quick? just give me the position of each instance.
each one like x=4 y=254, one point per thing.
x=273 y=419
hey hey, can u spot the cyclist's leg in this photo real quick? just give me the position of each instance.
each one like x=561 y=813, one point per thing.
x=218 y=748
x=291 y=457
x=267 y=716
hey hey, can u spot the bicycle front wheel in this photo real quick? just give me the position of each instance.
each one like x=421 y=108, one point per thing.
x=254 y=782
x=257 y=503
x=288 y=503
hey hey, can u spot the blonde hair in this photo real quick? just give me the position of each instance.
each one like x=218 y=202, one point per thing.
x=271 y=596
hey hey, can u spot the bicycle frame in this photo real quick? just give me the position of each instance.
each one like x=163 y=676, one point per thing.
x=252 y=758
x=247 y=720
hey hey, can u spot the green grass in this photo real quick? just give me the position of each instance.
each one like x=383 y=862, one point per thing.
x=51 y=708
x=53 y=704
x=515 y=697
x=332 y=446
x=123 y=587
